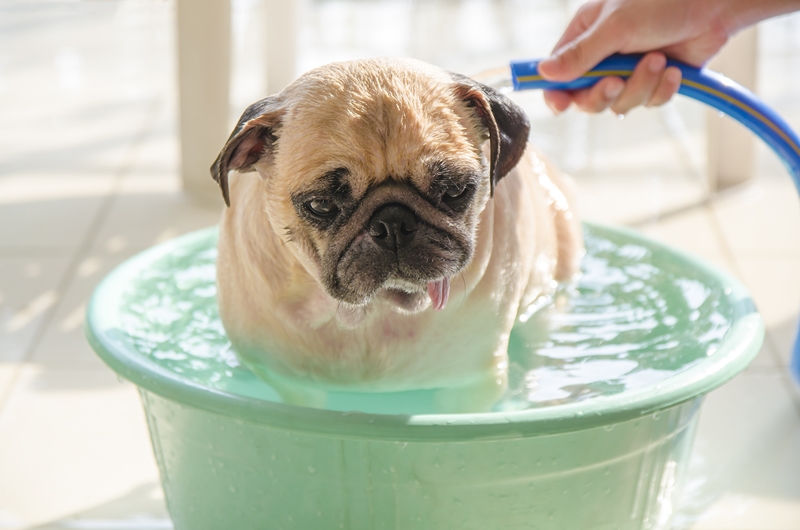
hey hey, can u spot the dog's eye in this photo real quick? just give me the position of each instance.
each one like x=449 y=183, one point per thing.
x=322 y=207
x=454 y=192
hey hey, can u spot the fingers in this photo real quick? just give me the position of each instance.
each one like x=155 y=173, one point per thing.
x=557 y=100
x=577 y=56
x=584 y=18
x=601 y=96
x=652 y=84
x=668 y=87
x=642 y=84
x=595 y=99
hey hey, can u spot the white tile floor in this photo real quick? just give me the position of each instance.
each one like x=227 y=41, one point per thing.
x=88 y=178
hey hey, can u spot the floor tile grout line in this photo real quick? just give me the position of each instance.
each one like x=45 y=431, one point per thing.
x=83 y=248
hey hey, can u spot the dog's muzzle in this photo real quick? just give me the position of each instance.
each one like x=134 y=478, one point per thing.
x=397 y=246
x=393 y=227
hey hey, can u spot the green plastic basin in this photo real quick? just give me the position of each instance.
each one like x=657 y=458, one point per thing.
x=232 y=456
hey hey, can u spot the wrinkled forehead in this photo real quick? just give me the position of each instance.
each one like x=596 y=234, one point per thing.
x=377 y=127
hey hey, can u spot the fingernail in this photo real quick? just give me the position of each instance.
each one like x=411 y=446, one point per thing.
x=656 y=63
x=613 y=90
x=550 y=63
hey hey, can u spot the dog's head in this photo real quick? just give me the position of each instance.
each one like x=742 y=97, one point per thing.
x=374 y=173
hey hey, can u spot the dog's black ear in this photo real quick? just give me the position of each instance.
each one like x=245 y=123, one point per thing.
x=252 y=139
x=506 y=123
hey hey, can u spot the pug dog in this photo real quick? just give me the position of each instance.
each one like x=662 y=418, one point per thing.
x=386 y=224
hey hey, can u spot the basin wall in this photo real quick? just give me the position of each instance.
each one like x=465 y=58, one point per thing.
x=219 y=473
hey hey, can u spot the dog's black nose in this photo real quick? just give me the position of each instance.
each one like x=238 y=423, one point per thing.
x=393 y=226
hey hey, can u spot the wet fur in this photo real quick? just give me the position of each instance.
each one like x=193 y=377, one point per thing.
x=307 y=301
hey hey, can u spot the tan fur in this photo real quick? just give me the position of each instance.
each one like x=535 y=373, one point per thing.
x=386 y=120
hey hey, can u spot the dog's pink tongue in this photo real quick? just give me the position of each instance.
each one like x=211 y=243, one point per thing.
x=439 y=291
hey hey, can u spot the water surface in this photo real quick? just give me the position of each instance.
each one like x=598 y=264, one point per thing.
x=637 y=316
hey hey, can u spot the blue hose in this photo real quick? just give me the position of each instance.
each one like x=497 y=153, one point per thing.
x=709 y=87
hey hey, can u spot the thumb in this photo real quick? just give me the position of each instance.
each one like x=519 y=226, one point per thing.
x=577 y=57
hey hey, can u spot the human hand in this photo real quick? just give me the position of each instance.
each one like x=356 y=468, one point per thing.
x=691 y=31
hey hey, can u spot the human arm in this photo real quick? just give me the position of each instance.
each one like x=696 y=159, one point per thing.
x=691 y=31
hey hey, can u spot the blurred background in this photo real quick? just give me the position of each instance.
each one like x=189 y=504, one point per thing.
x=112 y=111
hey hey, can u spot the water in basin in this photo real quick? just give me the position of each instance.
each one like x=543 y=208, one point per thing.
x=636 y=317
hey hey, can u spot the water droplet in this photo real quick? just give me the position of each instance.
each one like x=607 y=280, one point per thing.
x=609 y=427
x=620 y=116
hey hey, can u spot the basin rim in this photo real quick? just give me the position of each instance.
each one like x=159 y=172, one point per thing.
x=734 y=353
